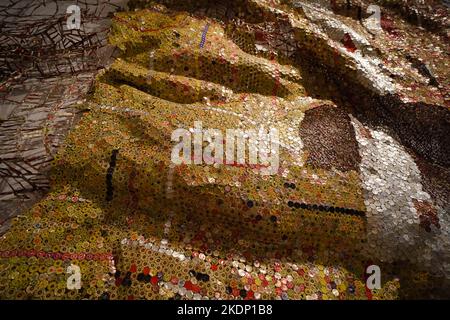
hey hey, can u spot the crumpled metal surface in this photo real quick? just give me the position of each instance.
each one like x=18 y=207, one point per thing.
x=350 y=191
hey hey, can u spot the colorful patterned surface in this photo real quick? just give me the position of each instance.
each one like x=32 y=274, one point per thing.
x=140 y=227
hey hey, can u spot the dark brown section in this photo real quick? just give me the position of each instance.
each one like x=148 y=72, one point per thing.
x=435 y=181
x=329 y=139
x=425 y=128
